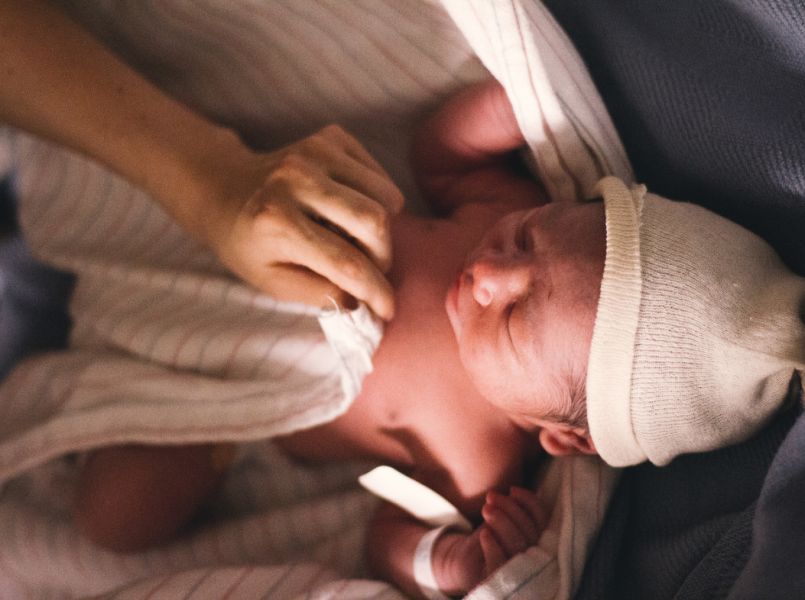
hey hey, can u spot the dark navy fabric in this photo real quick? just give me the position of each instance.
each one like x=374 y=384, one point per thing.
x=707 y=96
x=775 y=566
x=33 y=298
x=8 y=221
x=683 y=531
x=709 y=99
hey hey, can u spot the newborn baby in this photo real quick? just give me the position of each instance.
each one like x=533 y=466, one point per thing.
x=419 y=409
x=575 y=324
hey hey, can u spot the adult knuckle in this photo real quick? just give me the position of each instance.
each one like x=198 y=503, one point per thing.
x=352 y=269
x=273 y=214
x=318 y=144
x=292 y=174
x=376 y=221
x=333 y=130
x=330 y=196
x=291 y=166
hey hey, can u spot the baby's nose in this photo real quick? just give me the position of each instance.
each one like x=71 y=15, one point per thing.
x=495 y=280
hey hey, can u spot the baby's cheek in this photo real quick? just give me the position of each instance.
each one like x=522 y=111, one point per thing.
x=486 y=373
x=470 y=365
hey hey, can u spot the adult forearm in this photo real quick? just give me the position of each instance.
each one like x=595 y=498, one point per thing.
x=260 y=213
x=62 y=84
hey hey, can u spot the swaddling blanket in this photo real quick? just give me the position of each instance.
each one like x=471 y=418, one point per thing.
x=167 y=347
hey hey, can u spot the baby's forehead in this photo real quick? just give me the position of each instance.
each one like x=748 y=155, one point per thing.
x=576 y=228
x=557 y=213
x=572 y=208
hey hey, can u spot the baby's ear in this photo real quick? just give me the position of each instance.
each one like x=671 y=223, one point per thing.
x=565 y=440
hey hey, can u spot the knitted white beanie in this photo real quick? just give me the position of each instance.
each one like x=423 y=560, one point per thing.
x=698 y=332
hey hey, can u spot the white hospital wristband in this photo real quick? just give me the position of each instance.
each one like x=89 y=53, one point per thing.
x=423 y=565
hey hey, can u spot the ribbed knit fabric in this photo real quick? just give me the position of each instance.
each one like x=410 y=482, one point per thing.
x=609 y=371
x=698 y=333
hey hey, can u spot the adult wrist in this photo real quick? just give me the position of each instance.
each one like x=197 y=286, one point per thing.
x=207 y=175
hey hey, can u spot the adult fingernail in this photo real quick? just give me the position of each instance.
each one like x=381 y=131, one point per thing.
x=386 y=309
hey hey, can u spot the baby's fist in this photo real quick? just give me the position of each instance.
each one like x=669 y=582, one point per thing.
x=512 y=523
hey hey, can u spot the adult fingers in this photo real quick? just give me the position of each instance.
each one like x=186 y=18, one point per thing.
x=348 y=162
x=335 y=259
x=348 y=171
x=277 y=232
x=355 y=217
x=301 y=181
x=300 y=284
x=345 y=140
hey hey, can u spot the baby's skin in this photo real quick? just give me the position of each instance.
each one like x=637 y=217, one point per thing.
x=419 y=409
x=494 y=318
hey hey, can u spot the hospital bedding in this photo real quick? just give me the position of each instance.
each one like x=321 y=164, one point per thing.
x=167 y=347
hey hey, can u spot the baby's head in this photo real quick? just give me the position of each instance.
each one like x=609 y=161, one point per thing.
x=636 y=327
x=523 y=312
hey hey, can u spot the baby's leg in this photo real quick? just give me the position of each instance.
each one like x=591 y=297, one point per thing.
x=133 y=497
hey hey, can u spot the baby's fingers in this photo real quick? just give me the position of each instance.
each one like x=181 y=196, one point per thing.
x=494 y=555
x=530 y=502
x=508 y=534
x=529 y=529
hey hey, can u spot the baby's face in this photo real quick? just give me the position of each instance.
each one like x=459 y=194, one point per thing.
x=523 y=308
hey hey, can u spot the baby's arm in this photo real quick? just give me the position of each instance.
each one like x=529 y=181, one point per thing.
x=466 y=153
x=460 y=561
x=130 y=498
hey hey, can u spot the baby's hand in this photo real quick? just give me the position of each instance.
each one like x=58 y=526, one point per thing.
x=512 y=523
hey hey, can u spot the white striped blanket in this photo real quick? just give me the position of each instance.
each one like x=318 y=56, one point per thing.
x=168 y=347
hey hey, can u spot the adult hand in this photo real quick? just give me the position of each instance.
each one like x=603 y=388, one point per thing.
x=303 y=223
x=309 y=222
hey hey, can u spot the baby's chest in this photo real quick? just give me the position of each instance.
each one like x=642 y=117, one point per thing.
x=464 y=459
